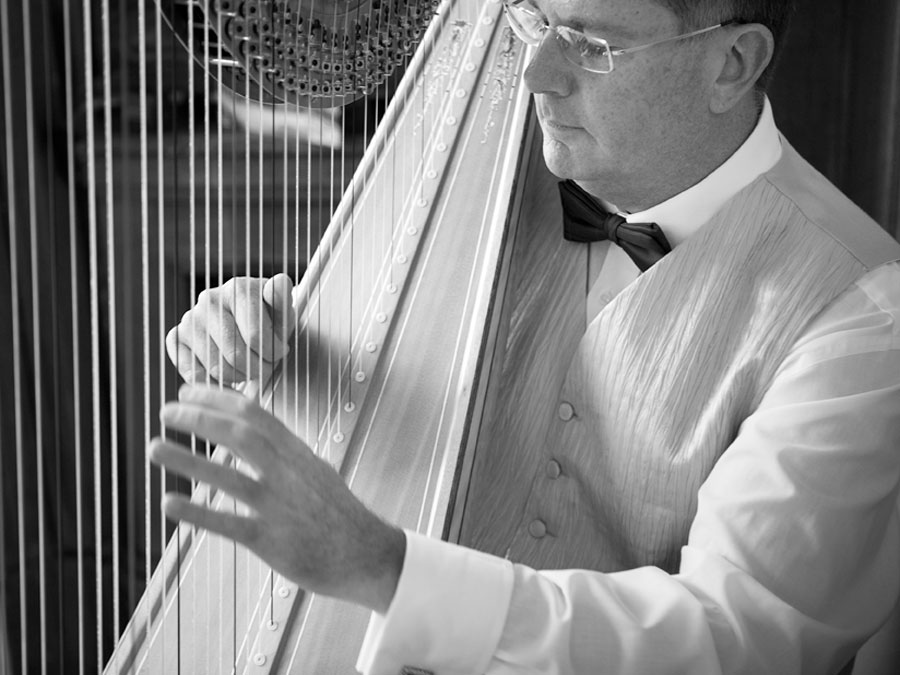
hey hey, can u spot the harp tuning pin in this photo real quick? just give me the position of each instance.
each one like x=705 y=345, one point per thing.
x=381 y=317
x=360 y=376
x=371 y=347
x=349 y=406
x=259 y=659
x=284 y=592
x=272 y=625
x=338 y=437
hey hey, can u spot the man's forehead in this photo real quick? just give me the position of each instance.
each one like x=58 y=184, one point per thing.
x=628 y=18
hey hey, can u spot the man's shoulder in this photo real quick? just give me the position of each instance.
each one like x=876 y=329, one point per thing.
x=818 y=202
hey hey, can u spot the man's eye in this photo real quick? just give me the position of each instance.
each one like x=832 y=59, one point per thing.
x=586 y=47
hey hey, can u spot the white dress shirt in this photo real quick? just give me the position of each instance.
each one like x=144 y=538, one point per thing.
x=822 y=452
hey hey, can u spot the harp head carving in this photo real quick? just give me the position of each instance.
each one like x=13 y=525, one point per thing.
x=311 y=53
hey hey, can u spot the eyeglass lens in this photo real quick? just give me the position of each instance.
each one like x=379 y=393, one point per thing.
x=591 y=54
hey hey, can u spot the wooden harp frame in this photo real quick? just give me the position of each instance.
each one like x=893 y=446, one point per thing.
x=398 y=430
x=399 y=419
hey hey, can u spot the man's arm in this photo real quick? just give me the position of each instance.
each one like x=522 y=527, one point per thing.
x=792 y=560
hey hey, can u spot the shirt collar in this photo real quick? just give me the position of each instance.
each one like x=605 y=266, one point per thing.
x=685 y=213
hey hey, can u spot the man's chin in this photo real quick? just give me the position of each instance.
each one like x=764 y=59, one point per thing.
x=563 y=167
x=559 y=160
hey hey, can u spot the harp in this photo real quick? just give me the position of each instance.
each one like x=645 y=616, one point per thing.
x=161 y=195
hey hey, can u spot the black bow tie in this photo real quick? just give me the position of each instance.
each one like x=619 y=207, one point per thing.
x=586 y=220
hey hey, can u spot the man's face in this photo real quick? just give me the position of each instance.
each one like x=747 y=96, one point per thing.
x=621 y=132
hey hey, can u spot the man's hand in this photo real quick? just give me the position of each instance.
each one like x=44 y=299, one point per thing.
x=302 y=520
x=236 y=332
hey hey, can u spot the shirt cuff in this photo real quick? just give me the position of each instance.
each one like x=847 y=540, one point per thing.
x=447 y=615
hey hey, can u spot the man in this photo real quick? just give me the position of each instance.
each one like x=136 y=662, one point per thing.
x=727 y=458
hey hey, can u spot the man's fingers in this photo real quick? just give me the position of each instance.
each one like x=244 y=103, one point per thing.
x=189 y=367
x=232 y=334
x=239 y=432
x=227 y=351
x=253 y=319
x=208 y=332
x=180 y=460
x=240 y=528
x=236 y=406
x=278 y=295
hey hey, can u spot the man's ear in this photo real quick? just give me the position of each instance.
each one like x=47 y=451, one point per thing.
x=749 y=49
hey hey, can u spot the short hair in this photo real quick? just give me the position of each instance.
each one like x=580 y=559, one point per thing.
x=774 y=14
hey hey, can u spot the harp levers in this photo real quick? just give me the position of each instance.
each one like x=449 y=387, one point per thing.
x=382 y=374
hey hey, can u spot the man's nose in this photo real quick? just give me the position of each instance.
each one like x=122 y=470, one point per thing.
x=549 y=71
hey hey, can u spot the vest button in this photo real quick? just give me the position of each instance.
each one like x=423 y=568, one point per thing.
x=566 y=411
x=554 y=470
x=537 y=528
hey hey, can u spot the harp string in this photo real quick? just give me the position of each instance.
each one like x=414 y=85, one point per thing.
x=192 y=271
x=36 y=328
x=318 y=224
x=16 y=325
x=161 y=285
x=68 y=58
x=322 y=178
x=340 y=382
x=261 y=225
x=248 y=271
x=233 y=503
x=337 y=312
x=270 y=574
x=95 y=320
x=220 y=251
x=145 y=286
x=55 y=321
x=207 y=246
x=111 y=287
x=130 y=310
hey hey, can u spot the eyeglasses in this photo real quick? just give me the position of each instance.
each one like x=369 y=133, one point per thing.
x=586 y=51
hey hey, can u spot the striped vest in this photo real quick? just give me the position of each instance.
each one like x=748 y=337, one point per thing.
x=660 y=381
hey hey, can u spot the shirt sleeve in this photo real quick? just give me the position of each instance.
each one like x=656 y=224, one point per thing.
x=791 y=563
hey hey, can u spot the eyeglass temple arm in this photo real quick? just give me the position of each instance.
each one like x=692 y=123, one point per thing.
x=630 y=50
